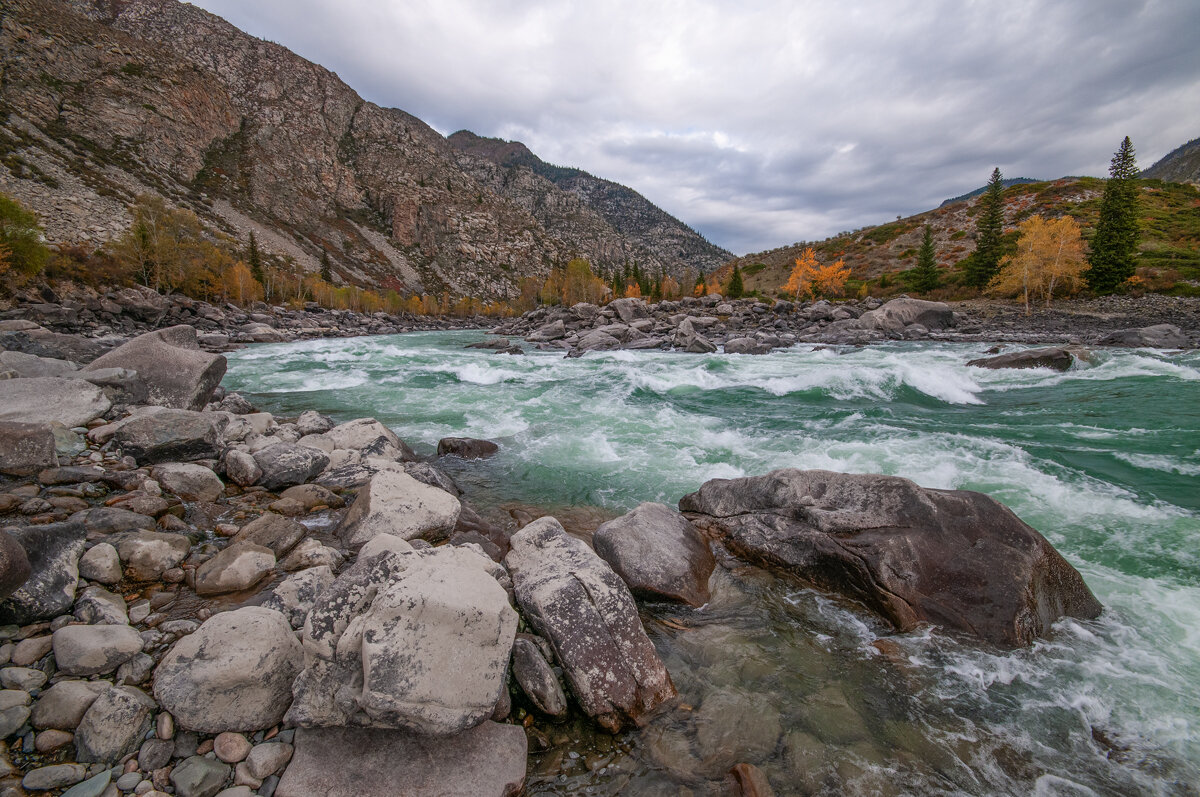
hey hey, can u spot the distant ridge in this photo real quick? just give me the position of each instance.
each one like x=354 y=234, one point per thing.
x=1180 y=165
x=1006 y=183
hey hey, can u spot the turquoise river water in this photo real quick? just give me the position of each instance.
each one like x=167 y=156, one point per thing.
x=1104 y=460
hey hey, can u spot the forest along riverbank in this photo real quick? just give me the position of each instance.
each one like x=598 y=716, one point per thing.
x=201 y=595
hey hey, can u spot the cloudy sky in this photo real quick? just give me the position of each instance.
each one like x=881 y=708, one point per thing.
x=764 y=123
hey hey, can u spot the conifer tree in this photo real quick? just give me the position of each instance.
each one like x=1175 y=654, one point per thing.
x=326 y=271
x=984 y=262
x=254 y=260
x=736 y=288
x=1115 y=243
x=924 y=277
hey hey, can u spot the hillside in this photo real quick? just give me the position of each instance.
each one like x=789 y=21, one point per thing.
x=659 y=240
x=101 y=102
x=1170 y=250
x=1180 y=165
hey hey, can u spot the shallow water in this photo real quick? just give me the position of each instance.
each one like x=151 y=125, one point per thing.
x=1103 y=459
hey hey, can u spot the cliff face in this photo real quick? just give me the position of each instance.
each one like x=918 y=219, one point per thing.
x=101 y=101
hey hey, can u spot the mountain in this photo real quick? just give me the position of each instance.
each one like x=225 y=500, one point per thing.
x=1170 y=245
x=1005 y=182
x=659 y=239
x=103 y=101
x=1180 y=165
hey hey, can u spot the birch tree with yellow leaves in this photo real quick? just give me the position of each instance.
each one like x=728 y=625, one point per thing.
x=1049 y=258
x=810 y=278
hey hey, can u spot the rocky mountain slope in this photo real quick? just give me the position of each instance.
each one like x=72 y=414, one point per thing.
x=574 y=205
x=101 y=102
x=1180 y=165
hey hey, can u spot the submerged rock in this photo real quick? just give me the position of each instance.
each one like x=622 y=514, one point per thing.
x=955 y=558
x=466 y=447
x=1052 y=357
x=577 y=603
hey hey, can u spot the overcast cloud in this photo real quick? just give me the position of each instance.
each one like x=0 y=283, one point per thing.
x=764 y=123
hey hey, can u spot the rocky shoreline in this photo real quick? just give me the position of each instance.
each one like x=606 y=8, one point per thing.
x=203 y=599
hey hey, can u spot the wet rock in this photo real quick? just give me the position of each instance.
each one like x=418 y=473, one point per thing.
x=238 y=567
x=42 y=400
x=381 y=634
x=746 y=346
x=26 y=448
x=733 y=727
x=658 y=553
x=176 y=372
x=295 y=596
x=53 y=551
x=831 y=718
x=466 y=447
x=114 y=725
x=170 y=436
x=393 y=502
x=276 y=532
x=14 y=565
x=286 y=464
x=750 y=781
x=199 y=777
x=101 y=563
x=149 y=554
x=536 y=677
x=94 y=649
x=234 y=673
x=485 y=761
x=188 y=481
x=578 y=604
x=1054 y=358
x=1158 y=336
x=955 y=558
x=64 y=704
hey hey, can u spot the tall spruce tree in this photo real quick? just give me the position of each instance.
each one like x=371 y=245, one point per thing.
x=1115 y=243
x=736 y=287
x=924 y=277
x=255 y=260
x=984 y=262
x=326 y=271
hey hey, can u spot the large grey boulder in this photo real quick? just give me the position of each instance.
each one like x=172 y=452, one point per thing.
x=379 y=642
x=486 y=761
x=1158 y=336
x=658 y=553
x=170 y=362
x=1053 y=357
x=584 y=610
x=71 y=402
x=26 y=448
x=629 y=309
x=955 y=558
x=902 y=312
x=189 y=481
x=287 y=464
x=14 y=565
x=149 y=554
x=171 y=436
x=554 y=330
x=40 y=341
x=370 y=438
x=53 y=551
x=234 y=673
x=114 y=725
x=295 y=596
x=393 y=502
x=94 y=649
x=239 y=566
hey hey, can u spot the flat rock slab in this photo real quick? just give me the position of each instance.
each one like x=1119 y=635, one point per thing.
x=53 y=552
x=954 y=558
x=26 y=448
x=486 y=761
x=71 y=402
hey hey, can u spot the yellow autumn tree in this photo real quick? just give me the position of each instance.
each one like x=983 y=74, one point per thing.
x=810 y=278
x=1049 y=258
x=238 y=284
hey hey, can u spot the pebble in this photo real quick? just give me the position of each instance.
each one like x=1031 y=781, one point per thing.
x=52 y=739
x=129 y=781
x=231 y=747
x=94 y=786
x=54 y=776
x=29 y=651
x=164 y=725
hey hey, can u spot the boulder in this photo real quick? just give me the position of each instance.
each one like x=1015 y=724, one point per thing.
x=101 y=563
x=102 y=520
x=466 y=447
x=198 y=776
x=97 y=606
x=746 y=346
x=121 y=385
x=897 y=314
x=295 y=596
x=370 y=438
x=64 y=704
x=393 y=502
x=26 y=366
x=584 y=610
x=71 y=402
x=14 y=565
x=311 y=496
x=234 y=673
x=94 y=649
x=536 y=677
x=313 y=422
x=241 y=468
x=732 y=727
x=955 y=558
x=273 y=531
x=555 y=330
x=380 y=641
x=114 y=725
x=658 y=553
x=149 y=554
x=1158 y=336
x=176 y=372
x=629 y=309
x=170 y=436
x=188 y=481
x=311 y=553
x=53 y=552
x=486 y=761
x=287 y=464
x=1053 y=357
x=26 y=448
x=239 y=566
x=42 y=342
x=597 y=340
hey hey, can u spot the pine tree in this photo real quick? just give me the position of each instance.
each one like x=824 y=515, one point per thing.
x=254 y=260
x=924 y=277
x=1115 y=243
x=326 y=271
x=984 y=262
x=736 y=288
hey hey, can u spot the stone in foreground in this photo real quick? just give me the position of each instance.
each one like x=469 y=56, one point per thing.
x=53 y=552
x=393 y=502
x=486 y=761
x=954 y=558
x=234 y=673
x=576 y=602
x=658 y=553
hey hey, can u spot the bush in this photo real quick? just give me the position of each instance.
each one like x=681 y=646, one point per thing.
x=21 y=237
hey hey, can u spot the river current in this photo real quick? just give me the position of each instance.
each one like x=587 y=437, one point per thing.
x=1104 y=460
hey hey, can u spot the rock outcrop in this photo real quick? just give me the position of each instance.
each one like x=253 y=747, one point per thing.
x=170 y=362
